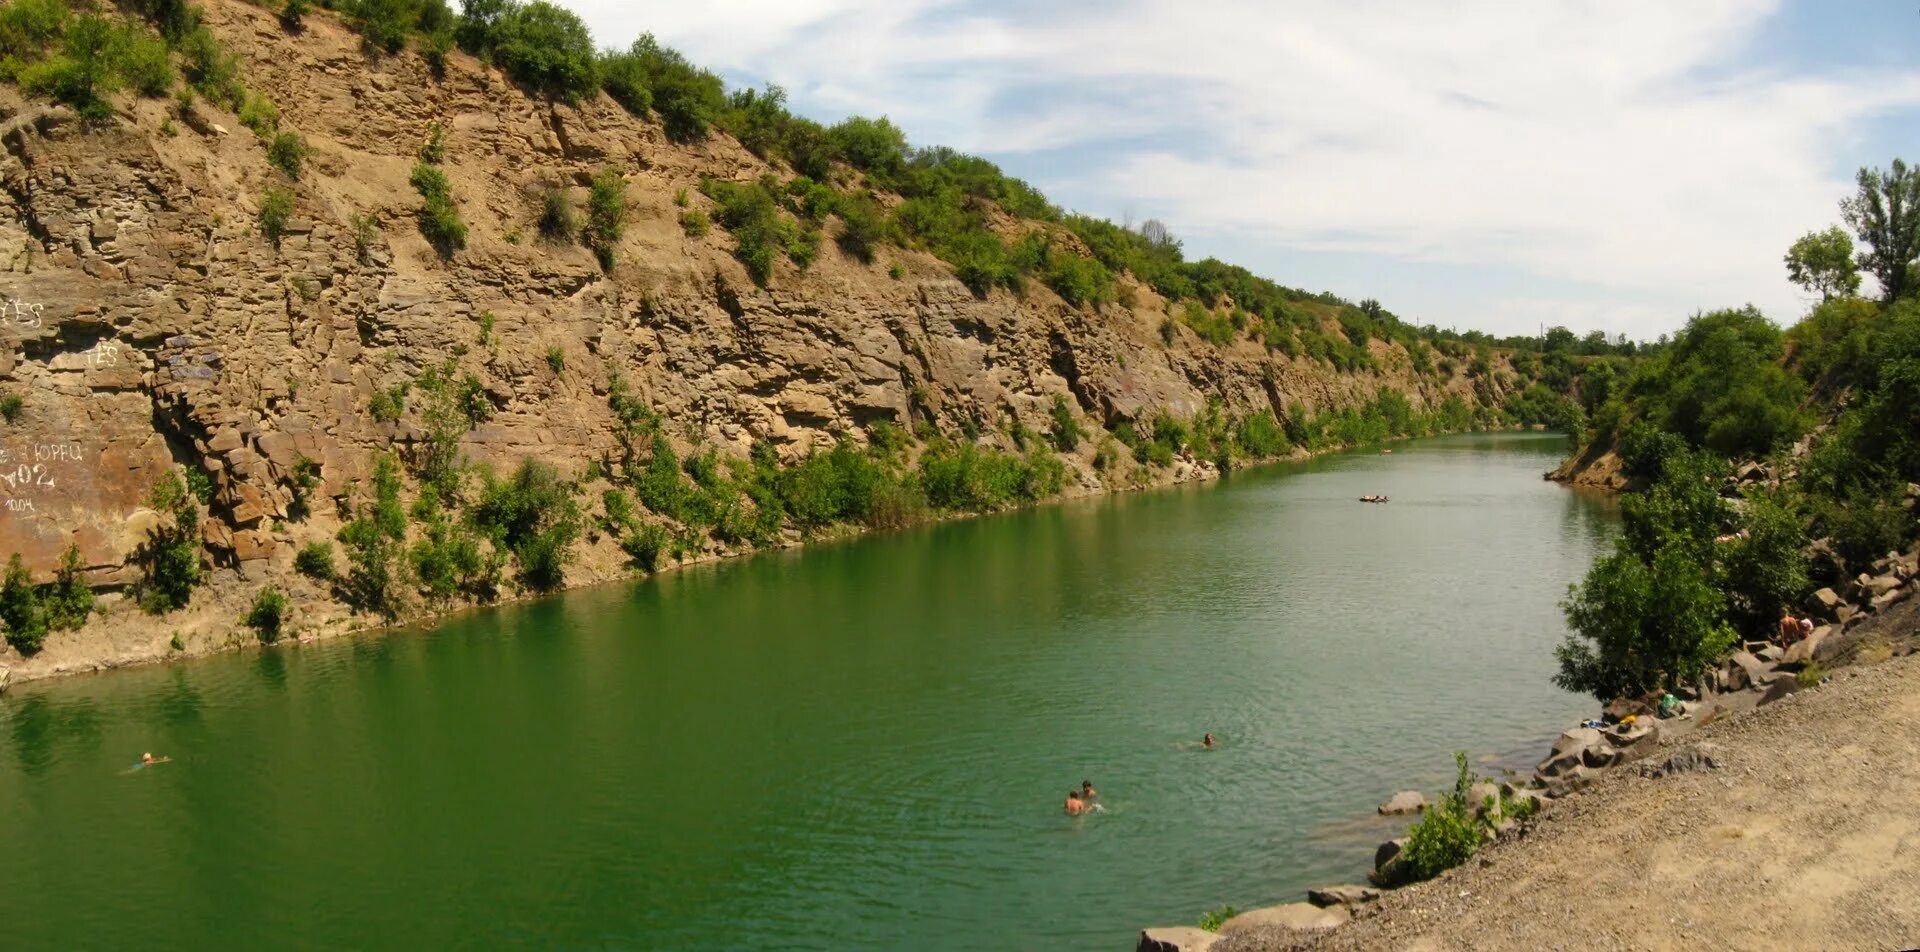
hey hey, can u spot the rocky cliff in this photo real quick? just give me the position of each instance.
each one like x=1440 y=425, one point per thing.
x=150 y=325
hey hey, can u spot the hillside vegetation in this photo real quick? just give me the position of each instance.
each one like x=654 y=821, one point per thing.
x=1824 y=420
x=384 y=309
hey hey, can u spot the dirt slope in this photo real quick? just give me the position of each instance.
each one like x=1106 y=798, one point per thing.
x=1807 y=837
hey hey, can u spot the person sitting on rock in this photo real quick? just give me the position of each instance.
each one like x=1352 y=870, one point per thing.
x=1074 y=806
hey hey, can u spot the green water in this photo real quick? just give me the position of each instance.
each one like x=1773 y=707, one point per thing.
x=857 y=745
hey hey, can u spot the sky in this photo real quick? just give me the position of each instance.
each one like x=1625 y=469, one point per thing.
x=1483 y=164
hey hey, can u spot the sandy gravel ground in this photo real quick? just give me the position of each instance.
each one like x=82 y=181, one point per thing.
x=1808 y=837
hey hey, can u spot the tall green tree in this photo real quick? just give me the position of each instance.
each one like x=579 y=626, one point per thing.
x=1822 y=262
x=1885 y=214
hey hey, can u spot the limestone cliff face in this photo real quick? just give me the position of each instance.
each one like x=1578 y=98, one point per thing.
x=149 y=324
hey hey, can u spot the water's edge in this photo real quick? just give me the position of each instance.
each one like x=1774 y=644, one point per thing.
x=1187 y=472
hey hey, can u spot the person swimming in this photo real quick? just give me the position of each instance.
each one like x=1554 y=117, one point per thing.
x=1074 y=805
x=1207 y=742
x=148 y=759
x=1086 y=790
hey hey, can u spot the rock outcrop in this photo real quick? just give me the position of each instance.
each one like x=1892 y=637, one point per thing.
x=150 y=325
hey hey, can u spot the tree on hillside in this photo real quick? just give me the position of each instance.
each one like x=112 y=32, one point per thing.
x=1886 y=217
x=1822 y=262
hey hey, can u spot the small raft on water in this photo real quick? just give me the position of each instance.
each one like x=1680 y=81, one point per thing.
x=1373 y=499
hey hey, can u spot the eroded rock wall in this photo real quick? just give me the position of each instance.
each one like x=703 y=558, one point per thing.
x=149 y=323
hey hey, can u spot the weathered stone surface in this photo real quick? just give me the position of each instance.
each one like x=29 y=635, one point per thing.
x=1406 y=801
x=1176 y=939
x=1571 y=750
x=1825 y=603
x=1778 y=688
x=1343 y=895
x=1747 y=671
x=1693 y=757
x=1303 y=916
x=1806 y=649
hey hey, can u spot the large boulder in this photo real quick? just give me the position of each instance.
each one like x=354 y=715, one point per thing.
x=1567 y=781
x=1175 y=939
x=1343 y=895
x=1302 y=916
x=1803 y=651
x=1480 y=793
x=1390 y=868
x=1825 y=603
x=1570 y=750
x=1880 y=585
x=1747 y=671
x=1883 y=602
x=1406 y=801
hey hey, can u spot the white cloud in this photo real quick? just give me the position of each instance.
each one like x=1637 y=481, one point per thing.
x=1596 y=145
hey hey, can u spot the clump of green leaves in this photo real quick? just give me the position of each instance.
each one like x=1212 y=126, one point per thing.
x=11 y=407
x=287 y=152
x=268 y=615
x=276 y=207
x=315 y=561
x=439 y=217
x=1448 y=833
x=533 y=515
x=170 y=557
x=606 y=215
x=1213 y=919
x=558 y=221
x=372 y=540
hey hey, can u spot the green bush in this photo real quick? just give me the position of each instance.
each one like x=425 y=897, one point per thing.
x=440 y=220
x=1448 y=833
x=545 y=48
x=276 y=206
x=315 y=561
x=267 y=615
x=761 y=231
x=558 y=222
x=695 y=223
x=28 y=28
x=963 y=477
x=293 y=16
x=1066 y=429
x=68 y=601
x=170 y=557
x=287 y=152
x=606 y=215
x=1653 y=614
x=21 y=610
x=1764 y=567
x=1213 y=919
x=650 y=76
x=372 y=540
x=533 y=515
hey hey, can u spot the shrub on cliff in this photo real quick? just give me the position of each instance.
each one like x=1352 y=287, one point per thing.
x=170 y=557
x=276 y=206
x=558 y=221
x=315 y=561
x=20 y=608
x=287 y=152
x=267 y=615
x=533 y=515
x=372 y=540
x=606 y=214
x=1066 y=429
x=68 y=600
x=964 y=477
x=439 y=217
x=543 y=47
x=650 y=76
